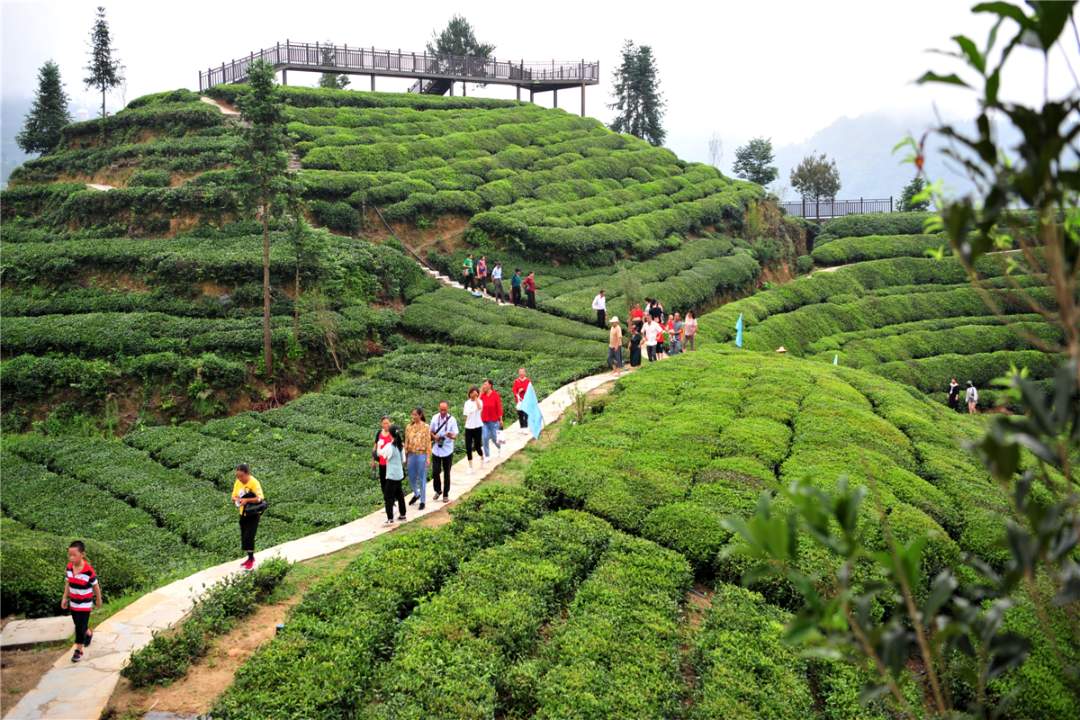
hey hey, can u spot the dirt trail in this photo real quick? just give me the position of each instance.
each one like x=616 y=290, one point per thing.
x=224 y=107
x=195 y=693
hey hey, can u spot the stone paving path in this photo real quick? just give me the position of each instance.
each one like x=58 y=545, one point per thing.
x=18 y=633
x=71 y=691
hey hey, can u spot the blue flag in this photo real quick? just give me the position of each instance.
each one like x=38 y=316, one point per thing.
x=836 y=359
x=738 y=332
x=531 y=407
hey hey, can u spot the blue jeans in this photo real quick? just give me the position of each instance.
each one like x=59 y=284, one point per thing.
x=491 y=432
x=418 y=475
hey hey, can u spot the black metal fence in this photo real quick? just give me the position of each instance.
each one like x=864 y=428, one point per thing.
x=837 y=208
x=310 y=56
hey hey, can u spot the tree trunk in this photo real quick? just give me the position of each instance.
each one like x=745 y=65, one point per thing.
x=296 y=304
x=268 y=355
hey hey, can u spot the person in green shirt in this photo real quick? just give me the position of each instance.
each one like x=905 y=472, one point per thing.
x=467 y=272
x=515 y=287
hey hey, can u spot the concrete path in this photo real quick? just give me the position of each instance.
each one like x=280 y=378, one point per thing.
x=454 y=283
x=19 y=633
x=71 y=691
x=100 y=186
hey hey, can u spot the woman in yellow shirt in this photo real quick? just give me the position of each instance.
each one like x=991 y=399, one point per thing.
x=418 y=455
x=247 y=491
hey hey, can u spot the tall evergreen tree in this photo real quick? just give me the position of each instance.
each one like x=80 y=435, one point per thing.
x=330 y=80
x=458 y=39
x=263 y=170
x=638 y=100
x=104 y=71
x=48 y=115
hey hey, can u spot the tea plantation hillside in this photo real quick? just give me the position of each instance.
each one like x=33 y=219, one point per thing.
x=131 y=294
x=583 y=613
x=144 y=300
x=913 y=319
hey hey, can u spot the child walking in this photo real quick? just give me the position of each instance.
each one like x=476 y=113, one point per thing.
x=82 y=593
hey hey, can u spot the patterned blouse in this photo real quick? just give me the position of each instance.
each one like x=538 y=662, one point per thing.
x=418 y=438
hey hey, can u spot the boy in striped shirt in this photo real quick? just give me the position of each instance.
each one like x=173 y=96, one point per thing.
x=81 y=595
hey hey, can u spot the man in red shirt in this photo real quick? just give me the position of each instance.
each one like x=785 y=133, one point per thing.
x=491 y=413
x=530 y=289
x=521 y=384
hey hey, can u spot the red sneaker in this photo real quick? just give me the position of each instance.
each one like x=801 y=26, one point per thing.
x=248 y=564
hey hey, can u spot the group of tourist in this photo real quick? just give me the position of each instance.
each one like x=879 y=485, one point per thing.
x=427 y=444
x=476 y=276
x=661 y=334
x=971 y=396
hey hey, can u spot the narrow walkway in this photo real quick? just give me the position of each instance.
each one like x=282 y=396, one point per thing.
x=100 y=186
x=223 y=107
x=72 y=691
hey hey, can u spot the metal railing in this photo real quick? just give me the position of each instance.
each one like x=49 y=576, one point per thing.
x=345 y=59
x=837 y=208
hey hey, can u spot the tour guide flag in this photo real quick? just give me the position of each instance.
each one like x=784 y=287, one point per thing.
x=531 y=407
x=738 y=332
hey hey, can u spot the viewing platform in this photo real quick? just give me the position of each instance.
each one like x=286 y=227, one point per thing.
x=434 y=74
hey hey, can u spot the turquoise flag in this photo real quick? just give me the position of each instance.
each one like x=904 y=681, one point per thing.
x=738 y=332
x=531 y=407
x=836 y=359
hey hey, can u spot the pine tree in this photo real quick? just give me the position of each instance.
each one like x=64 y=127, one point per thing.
x=638 y=100
x=263 y=170
x=105 y=71
x=48 y=115
x=329 y=80
x=908 y=203
x=457 y=40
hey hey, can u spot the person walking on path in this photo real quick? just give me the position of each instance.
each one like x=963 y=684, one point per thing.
x=82 y=594
x=392 y=472
x=652 y=337
x=418 y=455
x=637 y=315
x=481 y=274
x=444 y=429
x=599 y=304
x=496 y=283
x=689 y=330
x=614 y=353
x=676 y=327
x=474 y=426
x=520 y=386
x=515 y=286
x=467 y=272
x=954 y=395
x=656 y=310
x=491 y=412
x=247 y=494
x=530 y=289
x=972 y=397
x=635 y=345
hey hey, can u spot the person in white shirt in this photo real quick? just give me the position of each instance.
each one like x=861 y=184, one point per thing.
x=474 y=426
x=652 y=332
x=496 y=282
x=599 y=304
x=972 y=397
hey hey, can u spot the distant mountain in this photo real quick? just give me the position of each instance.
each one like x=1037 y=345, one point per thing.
x=862 y=148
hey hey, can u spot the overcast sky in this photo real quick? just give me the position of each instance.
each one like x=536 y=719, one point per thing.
x=740 y=69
